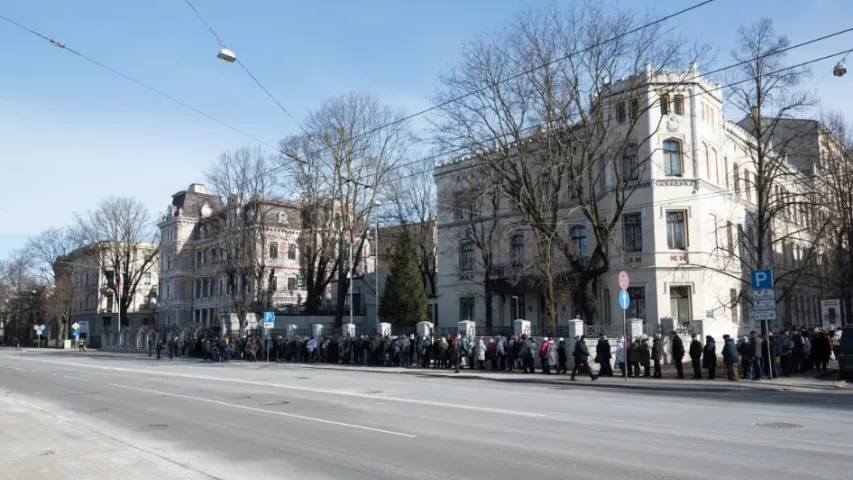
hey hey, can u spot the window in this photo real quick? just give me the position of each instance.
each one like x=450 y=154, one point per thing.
x=291 y=283
x=273 y=284
x=197 y=288
x=635 y=108
x=572 y=184
x=672 y=158
x=199 y=259
x=664 y=104
x=632 y=232
x=168 y=263
x=679 y=304
x=291 y=251
x=630 y=164
x=715 y=164
x=282 y=218
x=545 y=182
x=637 y=307
x=620 y=112
x=579 y=239
x=146 y=278
x=730 y=238
x=707 y=153
x=678 y=105
x=517 y=250
x=109 y=302
x=676 y=230
x=736 y=177
x=466 y=308
x=733 y=305
x=747 y=185
x=300 y=280
x=714 y=230
x=168 y=289
x=726 y=164
x=273 y=250
x=204 y=288
x=466 y=257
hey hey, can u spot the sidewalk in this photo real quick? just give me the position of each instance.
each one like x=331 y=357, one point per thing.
x=804 y=383
x=39 y=445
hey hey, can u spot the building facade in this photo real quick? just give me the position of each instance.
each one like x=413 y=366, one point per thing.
x=196 y=235
x=680 y=236
x=94 y=302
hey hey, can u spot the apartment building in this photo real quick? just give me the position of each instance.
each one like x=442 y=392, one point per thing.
x=681 y=236
x=93 y=278
x=197 y=234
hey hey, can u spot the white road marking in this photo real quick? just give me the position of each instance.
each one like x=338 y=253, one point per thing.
x=324 y=391
x=73 y=378
x=15 y=368
x=271 y=412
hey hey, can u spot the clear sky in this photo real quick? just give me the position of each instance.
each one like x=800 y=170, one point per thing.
x=72 y=133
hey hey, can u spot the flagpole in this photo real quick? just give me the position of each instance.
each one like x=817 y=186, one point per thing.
x=118 y=294
x=351 y=277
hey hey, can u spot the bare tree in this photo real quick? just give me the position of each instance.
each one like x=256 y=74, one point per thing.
x=836 y=261
x=781 y=152
x=552 y=132
x=122 y=232
x=50 y=252
x=21 y=294
x=351 y=146
x=247 y=190
x=411 y=205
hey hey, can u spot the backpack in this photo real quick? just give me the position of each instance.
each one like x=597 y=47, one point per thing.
x=543 y=349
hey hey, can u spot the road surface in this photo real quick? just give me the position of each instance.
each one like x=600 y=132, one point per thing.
x=242 y=421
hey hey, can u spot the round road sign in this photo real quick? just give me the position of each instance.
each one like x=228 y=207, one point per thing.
x=623 y=280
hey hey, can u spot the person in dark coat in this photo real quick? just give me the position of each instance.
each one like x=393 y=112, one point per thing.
x=634 y=358
x=527 y=354
x=646 y=356
x=677 y=351
x=581 y=354
x=562 y=357
x=821 y=351
x=511 y=352
x=455 y=353
x=756 y=347
x=696 y=357
x=730 y=358
x=657 y=355
x=603 y=356
x=709 y=357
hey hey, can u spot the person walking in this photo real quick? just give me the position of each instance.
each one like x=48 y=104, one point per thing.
x=657 y=355
x=581 y=357
x=603 y=356
x=696 y=357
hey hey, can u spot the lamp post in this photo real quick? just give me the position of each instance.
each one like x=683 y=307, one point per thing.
x=376 y=205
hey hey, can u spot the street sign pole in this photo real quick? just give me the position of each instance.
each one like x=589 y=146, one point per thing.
x=624 y=302
x=764 y=307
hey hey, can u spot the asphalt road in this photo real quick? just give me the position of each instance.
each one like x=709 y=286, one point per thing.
x=258 y=421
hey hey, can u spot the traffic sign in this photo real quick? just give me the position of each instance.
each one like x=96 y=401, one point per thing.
x=762 y=279
x=75 y=333
x=764 y=304
x=75 y=326
x=624 y=300
x=269 y=319
x=764 y=294
x=765 y=314
x=624 y=280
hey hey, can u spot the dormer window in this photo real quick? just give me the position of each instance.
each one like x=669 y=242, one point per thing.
x=282 y=218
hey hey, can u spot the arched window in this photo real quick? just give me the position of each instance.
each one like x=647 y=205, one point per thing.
x=273 y=250
x=291 y=251
x=714 y=160
x=578 y=233
x=273 y=284
x=672 y=166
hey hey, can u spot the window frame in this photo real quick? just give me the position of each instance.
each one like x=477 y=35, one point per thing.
x=671 y=234
x=668 y=156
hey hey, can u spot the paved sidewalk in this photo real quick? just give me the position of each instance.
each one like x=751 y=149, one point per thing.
x=40 y=445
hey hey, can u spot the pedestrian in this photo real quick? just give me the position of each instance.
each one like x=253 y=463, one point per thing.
x=552 y=357
x=500 y=351
x=480 y=353
x=821 y=350
x=676 y=349
x=543 y=355
x=620 y=354
x=696 y=357
x=634 y=355
x=755 y=347
x=786 y=350
x=562 y=357
x=581 y=357
x=657 y=354
x=646 y=356
x=709 y=357
x=603 y=356
x=528 y=354
x=730 y=358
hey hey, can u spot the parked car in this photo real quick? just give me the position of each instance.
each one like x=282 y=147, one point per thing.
x=844 y=353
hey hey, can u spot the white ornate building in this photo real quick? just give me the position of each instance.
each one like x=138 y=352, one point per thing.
x=687 y=212
x=194 y=287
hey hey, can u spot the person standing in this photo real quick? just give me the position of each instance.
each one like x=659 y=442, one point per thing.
x=730 y=358
x=562 y=357
x=603 y=356
x=709 y=357
x=696 y=357
x=677 y=351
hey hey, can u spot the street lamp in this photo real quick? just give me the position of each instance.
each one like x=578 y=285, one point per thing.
x=227 y=55
x=840 y=70
x=376 y=205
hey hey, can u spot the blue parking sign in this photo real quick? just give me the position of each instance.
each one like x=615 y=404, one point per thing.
x=762 y=279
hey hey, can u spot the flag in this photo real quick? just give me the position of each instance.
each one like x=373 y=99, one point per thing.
x=352 y=236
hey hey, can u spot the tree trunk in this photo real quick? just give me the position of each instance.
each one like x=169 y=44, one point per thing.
x=343 y=291
x=489 y=309
x=590 y=300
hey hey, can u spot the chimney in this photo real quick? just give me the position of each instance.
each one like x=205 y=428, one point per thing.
x=197 y=188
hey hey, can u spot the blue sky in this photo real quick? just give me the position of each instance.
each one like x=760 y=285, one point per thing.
x=72 y=133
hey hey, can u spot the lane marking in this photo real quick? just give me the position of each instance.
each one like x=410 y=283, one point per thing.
x=411 y=401
x=73 y=378
x=15 y=368
x=271 y=412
